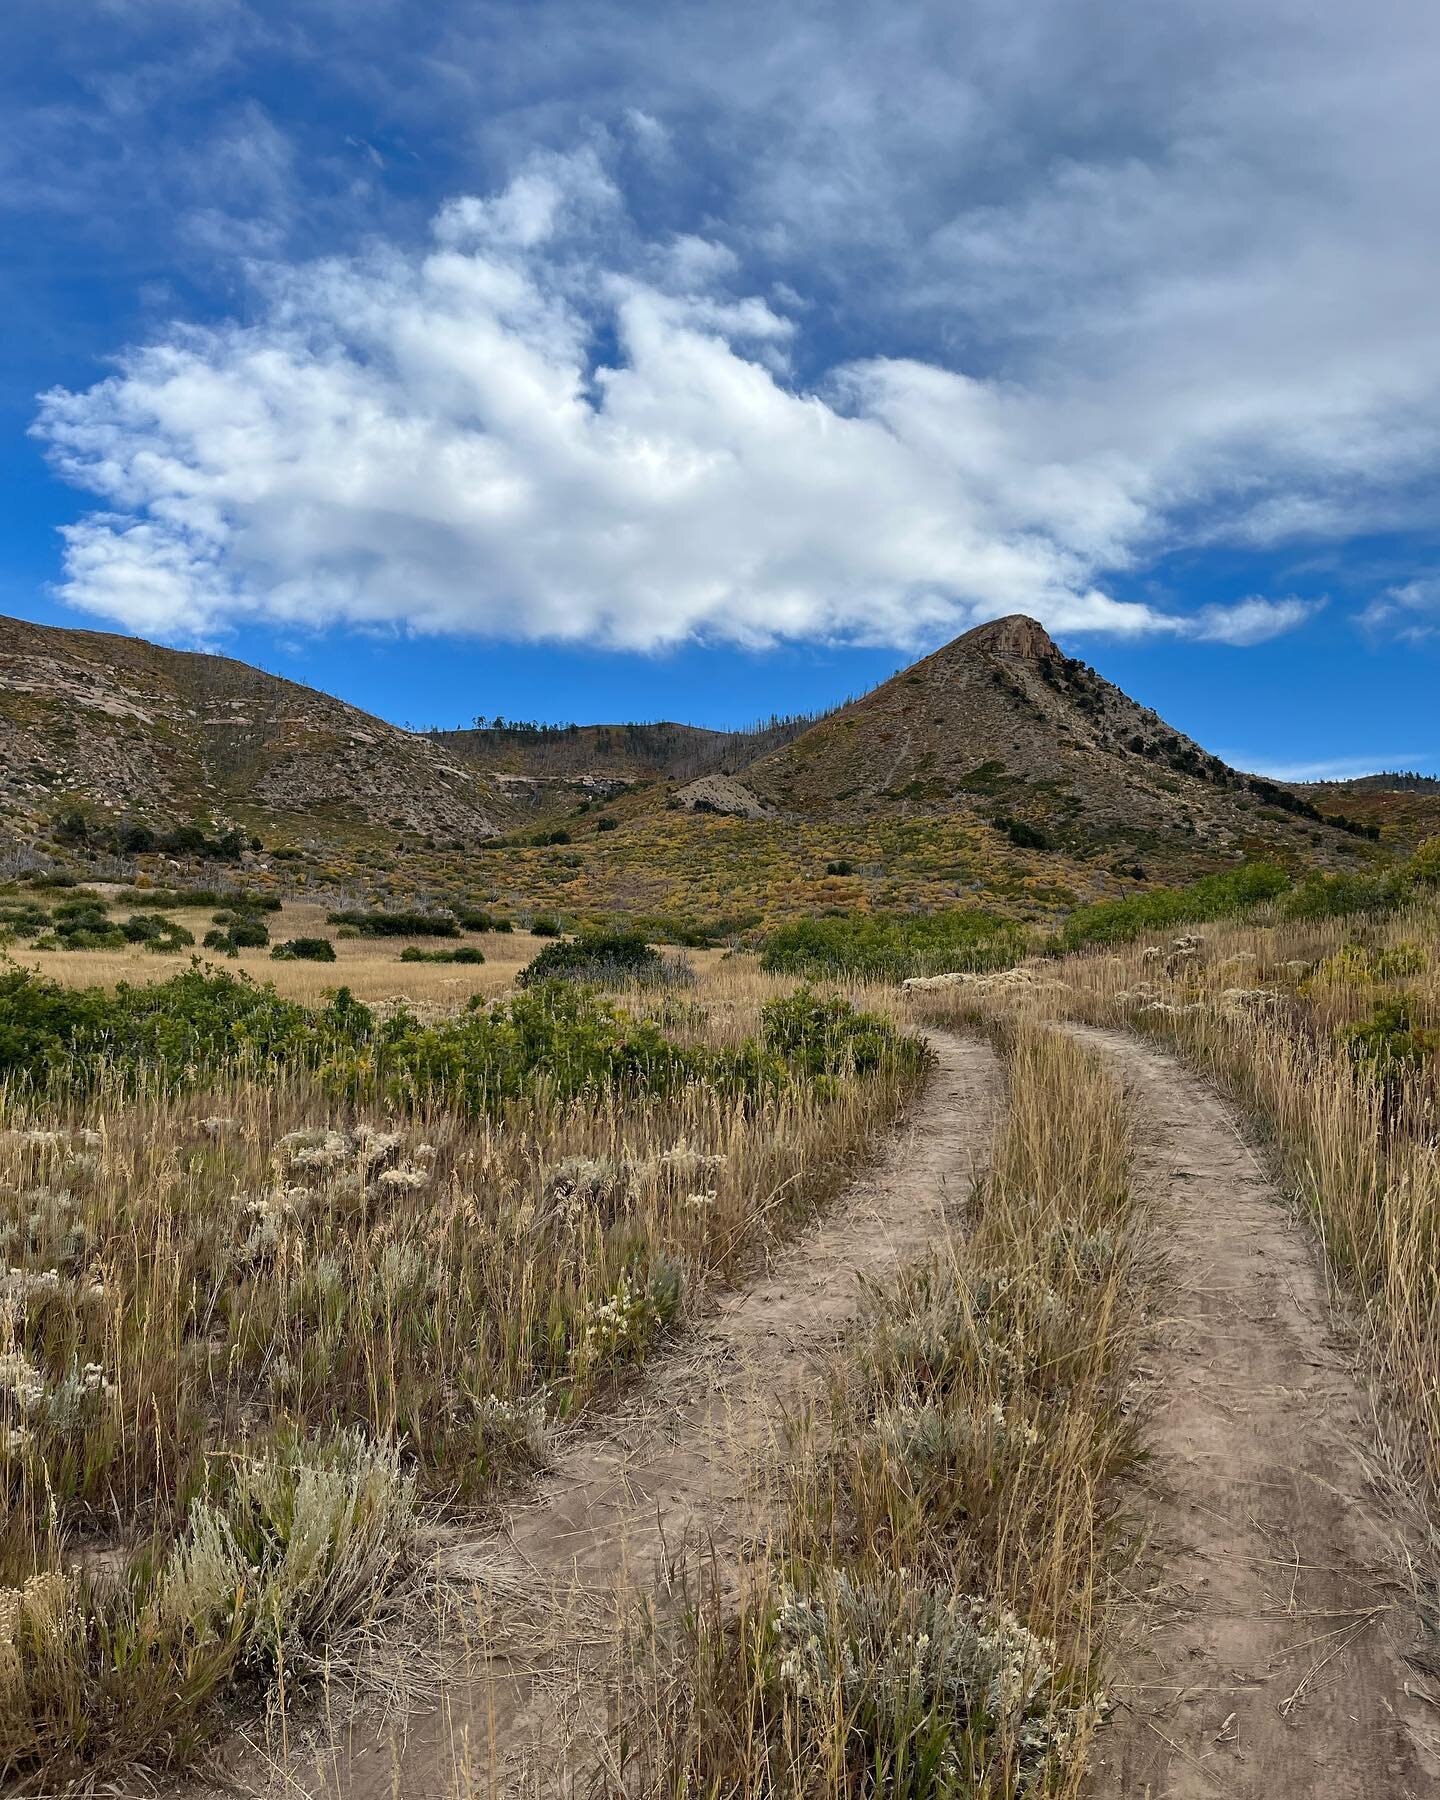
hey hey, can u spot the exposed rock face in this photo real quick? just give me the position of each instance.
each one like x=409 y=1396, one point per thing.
x=722 y=794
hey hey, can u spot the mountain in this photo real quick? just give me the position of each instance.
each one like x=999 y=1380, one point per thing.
x=1003 y=724
x=997 y=771
x=169 y=736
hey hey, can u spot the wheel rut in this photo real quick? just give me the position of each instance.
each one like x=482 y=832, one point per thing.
x=523 y=1708
x=1266 y=1645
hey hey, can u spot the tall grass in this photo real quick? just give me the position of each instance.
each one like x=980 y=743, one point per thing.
x=1327 y=1031
x=930 y=1617
x=251 y=1320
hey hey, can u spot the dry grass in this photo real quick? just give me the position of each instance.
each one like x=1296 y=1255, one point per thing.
x=202 y=1289
x=1270 y=1011
x=930 y=1616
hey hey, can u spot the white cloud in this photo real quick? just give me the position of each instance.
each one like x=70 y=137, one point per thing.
x=1252 y=621
x=431 y=440
x=1348 y=768
x=1410 y=610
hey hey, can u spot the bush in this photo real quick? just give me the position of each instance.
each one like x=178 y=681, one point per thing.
x=545 y=925
x=462 y=953
x=249 y=933
x=604 y=957
x=824 y=1036
x=1022 y=834
x=300 y=1546
x=304 y=949
x=1334 y=896
x=397 y=924
x=891 y=946
x=483 y=921
x=607 y=824
x=1212 y=897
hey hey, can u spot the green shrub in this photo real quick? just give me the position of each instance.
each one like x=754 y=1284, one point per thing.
x=1212 y=897
x=304 y=949
x=604 y=957
x=301 y=1544
x=1321 y=896
x=891 y=946
x=1021 y=833
x=397 y=924
x=479 y=920
x=462 y=953
x=815 y=1035
x=545 y=925
x=1390 y=1046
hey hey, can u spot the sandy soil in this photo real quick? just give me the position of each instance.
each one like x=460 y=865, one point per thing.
x=523 y=1703
x=1275 y=1608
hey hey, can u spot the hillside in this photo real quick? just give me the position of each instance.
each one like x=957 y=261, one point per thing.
x=997 y=772
x=1403 y=808
x=663 y=749
x=1002 y=723
x=169 y=736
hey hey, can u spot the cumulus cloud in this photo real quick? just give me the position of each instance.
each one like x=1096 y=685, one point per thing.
x=436 y=440
x=430 y=440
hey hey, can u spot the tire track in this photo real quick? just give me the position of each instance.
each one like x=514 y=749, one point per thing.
x=1265 y=1649
x=525 y=1704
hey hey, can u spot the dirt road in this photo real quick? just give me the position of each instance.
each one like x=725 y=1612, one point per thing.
x=523 y=1706
x=1274 y=1611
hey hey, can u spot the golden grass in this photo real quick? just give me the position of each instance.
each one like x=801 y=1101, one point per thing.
x=948 y=1513
x=194 y=1281
x=1266 y=1010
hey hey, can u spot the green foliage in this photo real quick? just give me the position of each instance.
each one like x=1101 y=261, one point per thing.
x=1423 y=867
x=179 y=1029
x=603 y=957
x=304 y=949
x=1022 y=834
x=818 y=1035
x=397 y=924
x=479 y=920
x=1390 y=1045
x=890 y=946
x=545 y=925
x=1212 y=897
x=1321 y=896
x=557 y=1033
x=462 y=953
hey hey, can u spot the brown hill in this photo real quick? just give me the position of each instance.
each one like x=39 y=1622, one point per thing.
x=169 y=736
x=1003 y=723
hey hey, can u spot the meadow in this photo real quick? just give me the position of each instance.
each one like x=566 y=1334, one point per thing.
x=306 y=1261
x=281 y=1279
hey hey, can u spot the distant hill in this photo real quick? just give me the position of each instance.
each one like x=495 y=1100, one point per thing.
x=168 y=735
x=997 y=771
x=660 y=750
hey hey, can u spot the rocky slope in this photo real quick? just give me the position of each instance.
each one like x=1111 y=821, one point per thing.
x=167 y=736
x=1003 y=724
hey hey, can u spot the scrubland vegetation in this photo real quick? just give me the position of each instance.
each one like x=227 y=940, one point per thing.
x=277 y=1277
x=288 y=1269
x=929 y=1617
x=1320 y=1015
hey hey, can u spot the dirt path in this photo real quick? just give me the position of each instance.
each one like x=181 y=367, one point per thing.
x=1273 y=1612
x=523 y=1708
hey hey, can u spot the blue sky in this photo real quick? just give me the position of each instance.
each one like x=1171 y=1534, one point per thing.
x=583 y=360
